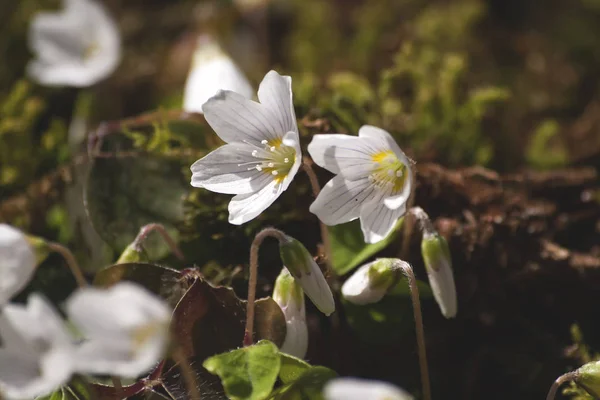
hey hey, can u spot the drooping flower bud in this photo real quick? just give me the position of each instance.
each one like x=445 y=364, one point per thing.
x=371 y=282
x=289 y=295
x=363 y=389
x=438 y=263
x=19 y=256
x=132 y=254
x=212 y=70
x=302 y=267
x=588 y=377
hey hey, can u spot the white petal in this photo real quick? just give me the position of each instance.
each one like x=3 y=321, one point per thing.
x=362 y=389
x=377 y=220
x=442 y=285
x=245 y=207
x=17 y=262
x=296 y=337
x=234 y=118
x=340 y=200
x=275 y=92
x=346 y=155
x=211 y=71
x=384 y=141
x=400 y=200
x=229 y=169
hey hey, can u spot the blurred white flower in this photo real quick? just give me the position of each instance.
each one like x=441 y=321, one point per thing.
x=373 y=181
x=438 y=264
x=306 y=271
x=290 y=297
x=262 y=154
x=126 y=328
x=362 y=389
x=211 y=71
x=371 y=282
x=36 y=356
x=77 y=46
x=17 y=262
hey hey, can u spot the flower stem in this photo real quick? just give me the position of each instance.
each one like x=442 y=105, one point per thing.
x=82 y=282
x=424 y=221
x=569 y=376
x=409 y=223
x=147 y=229
x=258 y=239
x=189 y=376
x=316 y=189
x=420 y=331
x=71 y=262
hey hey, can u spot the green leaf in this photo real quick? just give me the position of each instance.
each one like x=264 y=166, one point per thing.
x=348 y=247
x=248 y=373
x=77 y=389
x=291 y=368
x=309 y=385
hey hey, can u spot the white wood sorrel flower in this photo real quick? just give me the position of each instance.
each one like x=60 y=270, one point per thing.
x=262 y=151
x=289 y=295
x=18 y=261
x=211 y=71
x=126 y=327
x=78 y=46
x=37 y=353
x=373 y=181
x=362 y=389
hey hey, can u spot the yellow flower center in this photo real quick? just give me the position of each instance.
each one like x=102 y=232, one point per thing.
x=276 y=159
x=389 y=172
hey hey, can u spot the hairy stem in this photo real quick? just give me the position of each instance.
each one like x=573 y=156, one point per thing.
x=187 y=372
x=316 y=189
x=409 y=223
x=258 y=239
x=569 y=376
x=147 y=229
x=420 y=331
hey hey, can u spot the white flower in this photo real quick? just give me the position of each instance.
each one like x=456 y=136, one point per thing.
x=290 y=297
x=78 y=46
x=262 y=154
x=36 y=356
x=438 y=264
x=371 y=282
x=362 y=389
x=126 y=329
x=373 y=181
x=212 y=70
x=17 y=262
x=306 y=271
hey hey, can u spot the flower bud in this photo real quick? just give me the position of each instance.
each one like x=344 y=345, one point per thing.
x=289 y=295
x=211 y=71
x=302 y=267
x=19 y=256
x=371 y=282
x=132 y=254
x=588 y=377
x=438 y=263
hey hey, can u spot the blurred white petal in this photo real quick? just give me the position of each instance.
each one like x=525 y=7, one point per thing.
x=17 y=262
x=363 y=389
x=126 y=328
x=77 y=46
x=212 y=70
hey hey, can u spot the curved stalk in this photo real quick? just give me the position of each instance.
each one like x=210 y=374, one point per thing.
x=147 y=229
x=258 y=239
x=420 y=331
x=187 y=372
x=569 y=376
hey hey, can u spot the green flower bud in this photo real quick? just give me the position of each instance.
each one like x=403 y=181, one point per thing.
x=132 y=254
x=588 y=377
x=301 y=265
x=289 y=295
x=438 y=263
x=371 y=282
